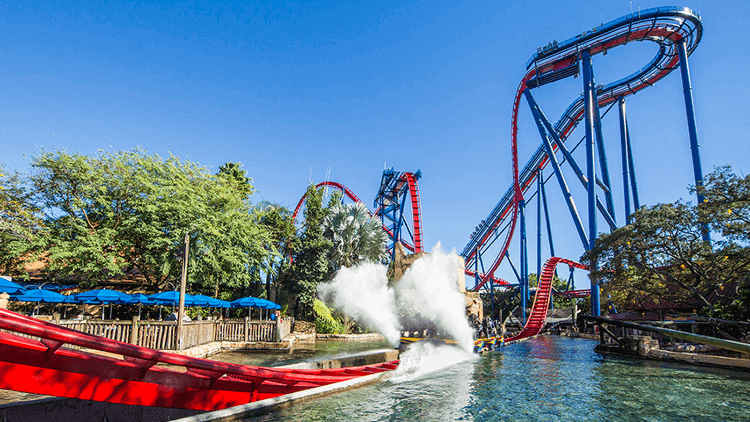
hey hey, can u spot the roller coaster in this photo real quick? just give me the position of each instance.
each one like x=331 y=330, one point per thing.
x=391 y=207
x=676 y=32
x=32 y=359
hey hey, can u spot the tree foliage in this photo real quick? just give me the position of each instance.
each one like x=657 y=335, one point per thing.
x=310 y=265
x=661 y=255
x=20 y=223
x=113 y=212
x=278 y=223
x=355 y=236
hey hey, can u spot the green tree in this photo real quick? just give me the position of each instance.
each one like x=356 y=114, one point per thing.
x=661 y=255
x=112 y=212
x=310 y=265
x=20 y=224
x=354 y=235
x=278 y=223
x=726 y=205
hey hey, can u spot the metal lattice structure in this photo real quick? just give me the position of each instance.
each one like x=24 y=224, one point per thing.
x=677 y=32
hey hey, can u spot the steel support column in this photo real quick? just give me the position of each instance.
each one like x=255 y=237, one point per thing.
x=549 y=224
x=558 y=172
x=687 y=90
x=540 y=182
x=524 y=258
x=602 y=155
x=589 y=95
x=625 y=160
x=539 y=116
x=513 y=266
x=631 y=167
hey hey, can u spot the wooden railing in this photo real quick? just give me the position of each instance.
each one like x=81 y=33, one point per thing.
x=162 y=335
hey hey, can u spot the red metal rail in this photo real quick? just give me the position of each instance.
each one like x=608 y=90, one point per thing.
x=132 y=376
x=538 y=316
x=416 y=210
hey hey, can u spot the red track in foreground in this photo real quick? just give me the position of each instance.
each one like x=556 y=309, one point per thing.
x=43 y=367
x=538 y=316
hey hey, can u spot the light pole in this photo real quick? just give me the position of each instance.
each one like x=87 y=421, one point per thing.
x=183 y=281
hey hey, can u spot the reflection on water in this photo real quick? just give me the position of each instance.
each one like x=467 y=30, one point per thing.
x=543 y=379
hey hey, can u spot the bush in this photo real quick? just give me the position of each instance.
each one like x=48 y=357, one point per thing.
x=325 y=323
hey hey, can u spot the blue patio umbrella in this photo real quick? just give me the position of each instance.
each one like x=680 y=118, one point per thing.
x=140 y=299
x=245 y=302
x=11 y=288
x=173 y=298
x=267 y=304
x=102 y=297
x=40 y=296
x=213 y=302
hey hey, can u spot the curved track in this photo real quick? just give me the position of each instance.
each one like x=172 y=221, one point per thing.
x=538 y=316
x=664 y=26
x=43 y=367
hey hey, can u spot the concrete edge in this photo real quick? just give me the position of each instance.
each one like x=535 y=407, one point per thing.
x=275 y=403
x=699 y=359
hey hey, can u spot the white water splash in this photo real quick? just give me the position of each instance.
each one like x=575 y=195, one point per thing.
x=428 y=292
x=424 y=358
x=362 y=293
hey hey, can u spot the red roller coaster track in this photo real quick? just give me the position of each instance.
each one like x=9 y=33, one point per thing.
x=42 y=366
x=538 y=316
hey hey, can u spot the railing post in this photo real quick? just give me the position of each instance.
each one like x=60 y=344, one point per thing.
x=134 y=331
x=278 y=328
x=247 y=328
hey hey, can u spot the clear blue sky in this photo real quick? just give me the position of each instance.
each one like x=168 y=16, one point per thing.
x=294 y=90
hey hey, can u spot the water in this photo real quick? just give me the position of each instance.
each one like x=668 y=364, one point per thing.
x=303 y=352
x=543 y=379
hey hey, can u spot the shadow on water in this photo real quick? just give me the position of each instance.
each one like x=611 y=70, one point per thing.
x=543 y=379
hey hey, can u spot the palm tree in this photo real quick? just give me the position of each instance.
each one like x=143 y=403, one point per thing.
x=355 y=235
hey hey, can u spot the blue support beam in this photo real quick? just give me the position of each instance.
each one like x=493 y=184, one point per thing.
x=524 y=259
x=558 y=172
x=539 y=114
x=625 y=160
x=631 y=167
x=549 y=224
x=590 y=102
x=687 y=90
x=513 y=266
x=603 y=157
x=539 y=184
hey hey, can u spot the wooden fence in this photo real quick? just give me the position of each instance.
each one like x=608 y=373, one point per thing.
x=162 y=335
